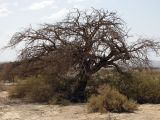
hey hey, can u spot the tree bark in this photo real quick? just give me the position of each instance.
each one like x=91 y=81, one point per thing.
x=78 y=94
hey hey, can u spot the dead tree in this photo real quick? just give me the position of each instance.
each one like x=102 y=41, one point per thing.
x=85 y=41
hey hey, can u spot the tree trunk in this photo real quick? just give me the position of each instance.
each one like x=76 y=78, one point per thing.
x=78 y=94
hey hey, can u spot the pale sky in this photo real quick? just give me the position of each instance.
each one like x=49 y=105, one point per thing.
x=141 y=16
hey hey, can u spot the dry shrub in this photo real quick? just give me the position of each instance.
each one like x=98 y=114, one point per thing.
x=146 y=87
x=141 y=86
x=19 y=90
x=34 y=89
x=111 y=100
x=48 y=89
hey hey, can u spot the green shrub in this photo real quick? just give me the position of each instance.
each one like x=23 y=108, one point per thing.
x=110 y=100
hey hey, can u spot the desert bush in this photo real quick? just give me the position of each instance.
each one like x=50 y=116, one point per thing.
x=109 y=99
x=33 y=89
x=141 y=86
x=19 y=90
x=146 y=87
x=48 y=89
x=39 y=92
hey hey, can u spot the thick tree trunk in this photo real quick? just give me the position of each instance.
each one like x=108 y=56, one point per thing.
x=78 y=94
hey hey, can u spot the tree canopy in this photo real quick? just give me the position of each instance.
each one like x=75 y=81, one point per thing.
x=83 y=42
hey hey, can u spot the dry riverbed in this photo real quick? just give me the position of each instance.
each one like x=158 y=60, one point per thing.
x=20 y=111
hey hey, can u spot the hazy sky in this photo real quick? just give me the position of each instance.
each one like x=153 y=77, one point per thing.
x=141 y=16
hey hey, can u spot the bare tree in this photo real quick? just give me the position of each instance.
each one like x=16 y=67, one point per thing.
x=85 y=41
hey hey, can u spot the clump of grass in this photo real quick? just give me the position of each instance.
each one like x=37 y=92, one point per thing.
x=110 y=100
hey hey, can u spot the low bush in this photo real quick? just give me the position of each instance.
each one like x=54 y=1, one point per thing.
x=48 y=89
x=145 y=87
x=111 y=100
x=34 y=89
x=141 y=86
x=19 y=90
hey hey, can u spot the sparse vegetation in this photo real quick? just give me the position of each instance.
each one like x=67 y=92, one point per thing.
x=32 y=90
x=110 y=100
x=144 y=87
x=82 y=43
x=47 y=89
x=62 y=62
x=141 y=86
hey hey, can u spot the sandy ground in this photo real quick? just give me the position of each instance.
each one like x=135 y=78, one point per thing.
x=14 y=111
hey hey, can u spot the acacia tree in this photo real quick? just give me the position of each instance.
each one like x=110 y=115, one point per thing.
x=85 y=41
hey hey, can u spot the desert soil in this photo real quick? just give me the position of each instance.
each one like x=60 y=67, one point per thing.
x=21 y=111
